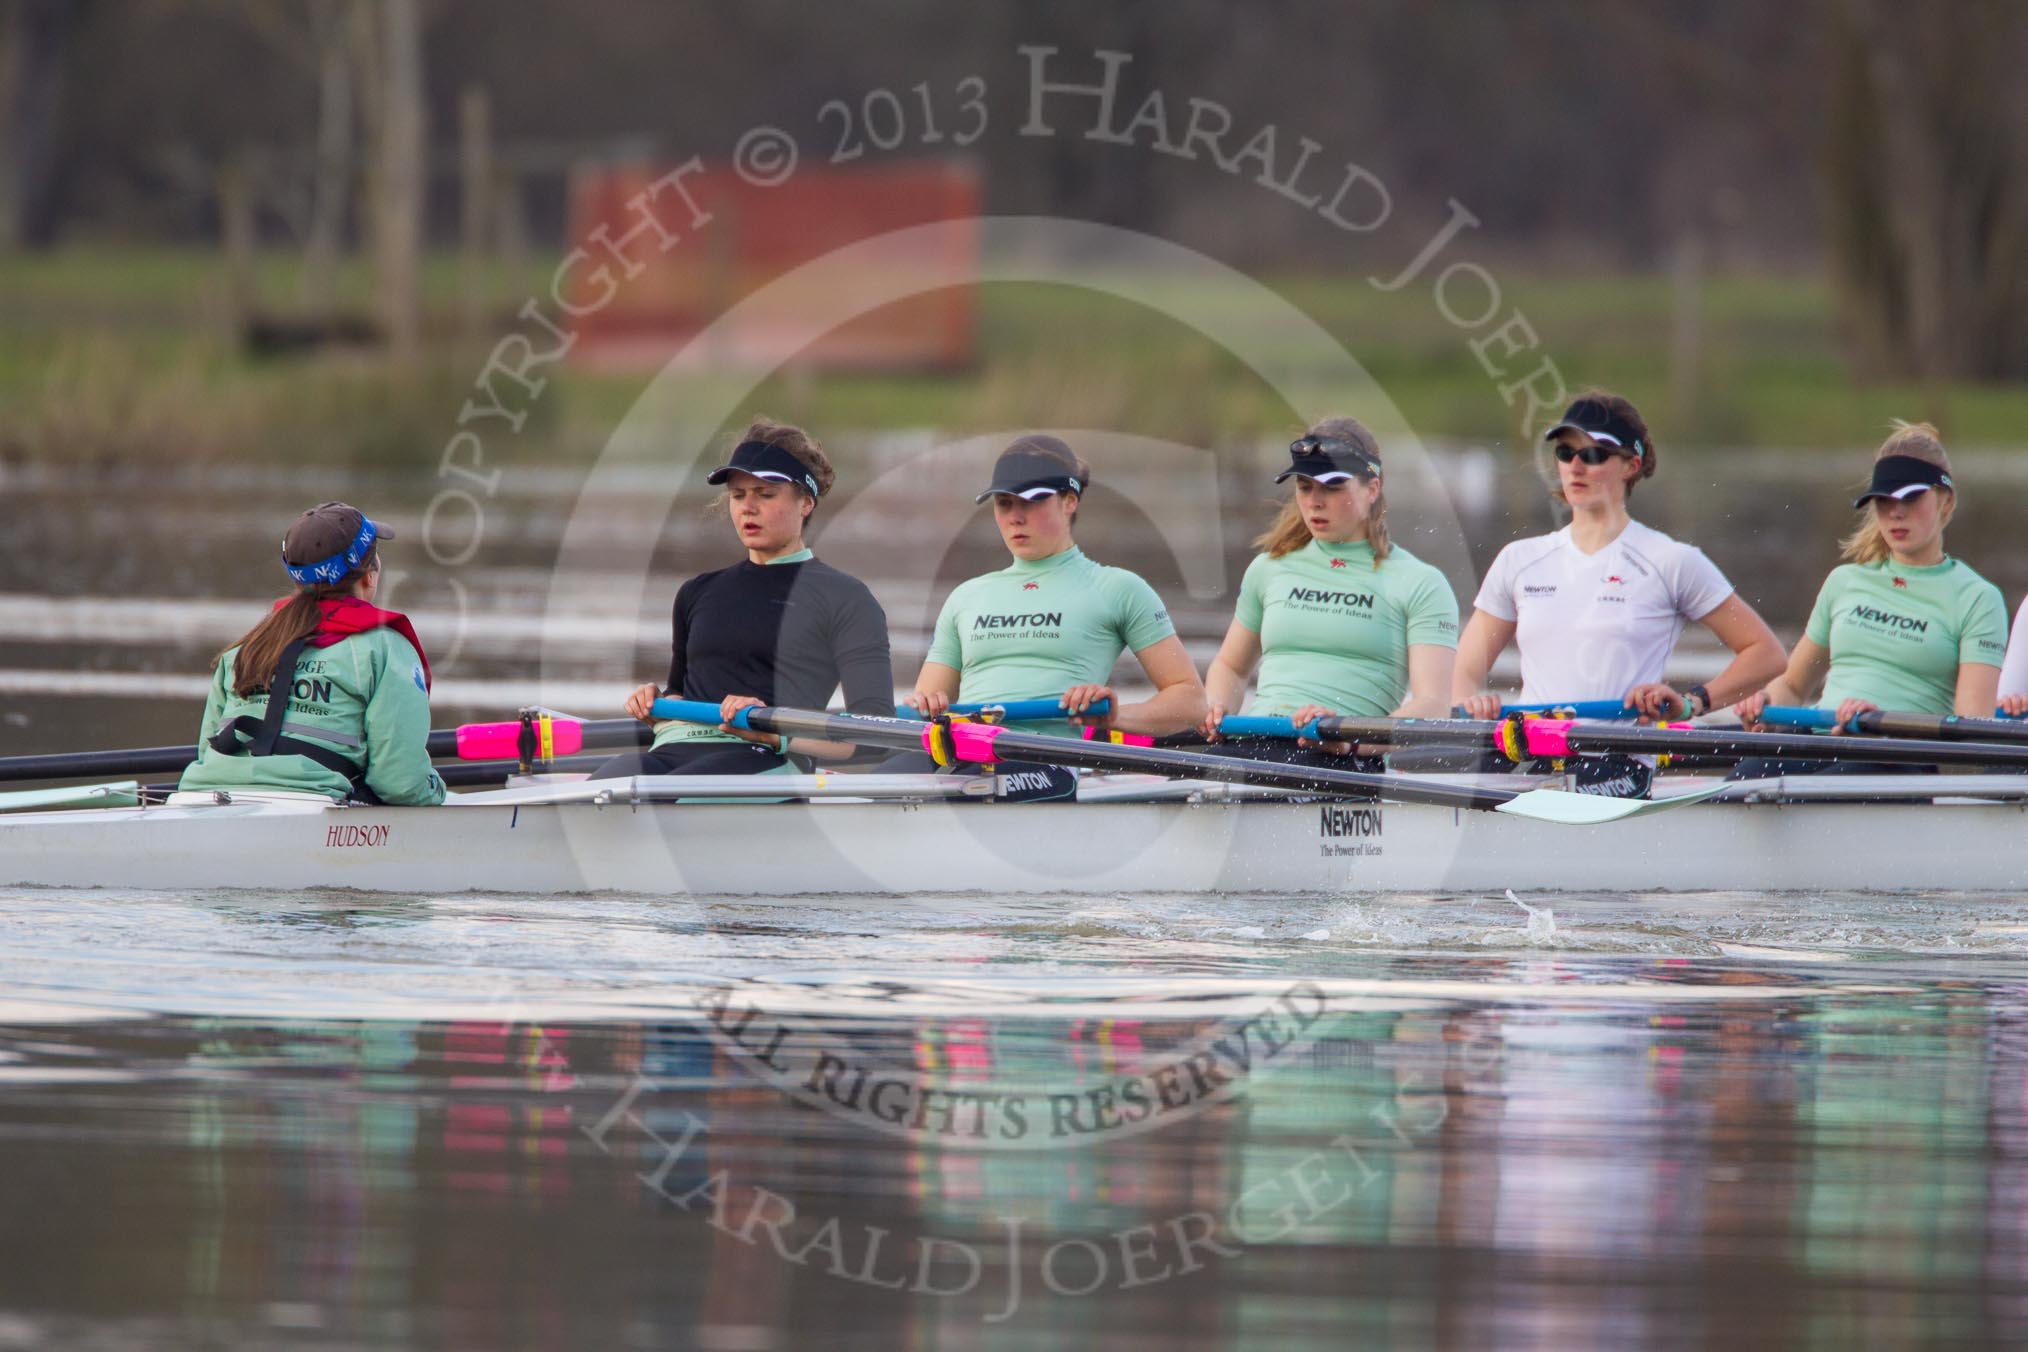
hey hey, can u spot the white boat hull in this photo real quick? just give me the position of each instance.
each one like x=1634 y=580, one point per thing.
x=939 y=848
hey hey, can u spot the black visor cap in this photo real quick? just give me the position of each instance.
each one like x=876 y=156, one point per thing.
x=1029 y=474
x=1329 y=460
x=1902 y=477
x=1600 y=423
x=764 y=460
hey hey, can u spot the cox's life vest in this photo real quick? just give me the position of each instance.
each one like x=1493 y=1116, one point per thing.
x=338 y=618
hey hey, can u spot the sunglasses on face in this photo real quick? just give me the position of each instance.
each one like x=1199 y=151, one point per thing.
x=1594 y=454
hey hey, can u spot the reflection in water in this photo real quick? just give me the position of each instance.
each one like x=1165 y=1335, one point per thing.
x=1809 y=1169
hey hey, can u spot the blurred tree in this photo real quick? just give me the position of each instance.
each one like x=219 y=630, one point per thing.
x=331 y=173
x=35 y=35
x=387 y=47
x=1926 y=165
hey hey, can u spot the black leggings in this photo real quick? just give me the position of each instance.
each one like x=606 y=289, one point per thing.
x=692 y=758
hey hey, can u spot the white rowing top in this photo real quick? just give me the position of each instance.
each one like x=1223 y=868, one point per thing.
x=2014 y=669
x=1594 y=626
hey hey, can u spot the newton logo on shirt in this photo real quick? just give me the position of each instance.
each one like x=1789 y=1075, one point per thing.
x=1034 y=617
x=1890 y=619
x=1317 y=596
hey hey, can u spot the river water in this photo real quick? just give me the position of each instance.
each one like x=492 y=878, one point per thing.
x=240 y=1119
x=236 y=1120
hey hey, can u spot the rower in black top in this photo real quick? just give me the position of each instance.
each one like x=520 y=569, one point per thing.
x=778 y=628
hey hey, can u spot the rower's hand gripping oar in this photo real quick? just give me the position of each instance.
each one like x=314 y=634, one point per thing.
x=1013 y=710
x=1596 y=710
x=1556 y=738
x=1260 y=725
x=986 y=743
x=538 y=737
x=541 y=736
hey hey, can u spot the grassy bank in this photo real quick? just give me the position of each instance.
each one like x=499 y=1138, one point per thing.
x=119 y=354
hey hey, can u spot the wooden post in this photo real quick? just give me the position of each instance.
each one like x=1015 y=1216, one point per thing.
x=398 y=198
x=510 y=227
x=475 y=203
x=1686 y=329
x=236 y=236
x=331 y=184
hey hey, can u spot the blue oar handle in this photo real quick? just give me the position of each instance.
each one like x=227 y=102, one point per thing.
x=695 y=711
x=1581 y=708
x=1261 y=725
x=1256 y=725
x=1017 y=710
x=1795 y=716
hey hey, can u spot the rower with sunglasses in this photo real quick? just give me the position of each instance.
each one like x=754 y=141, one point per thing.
x=1338 y=618
x=1597 y=606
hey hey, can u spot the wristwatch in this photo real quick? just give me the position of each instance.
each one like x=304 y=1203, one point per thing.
x=1701 y=695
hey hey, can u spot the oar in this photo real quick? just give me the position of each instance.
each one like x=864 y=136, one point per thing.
x=138 y=761
x=1596 y=709
x=1442 y=731
x=124 y=794
x=1555 y=738
x=1942 y=727
x=472 y=741
x=1015 y=710
x=1391 y=731
x=552 y=739
x=466 y=775
x=987 y=742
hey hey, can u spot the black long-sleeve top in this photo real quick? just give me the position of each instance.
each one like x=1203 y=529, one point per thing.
x=786 y=633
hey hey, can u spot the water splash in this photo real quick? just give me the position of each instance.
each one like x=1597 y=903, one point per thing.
x=1541 y=922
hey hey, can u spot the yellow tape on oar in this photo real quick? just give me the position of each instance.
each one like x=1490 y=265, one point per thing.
x=936 y=738
x=1512 y=738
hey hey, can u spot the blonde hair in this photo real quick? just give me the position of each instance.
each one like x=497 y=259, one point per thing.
x=1868 y=544
x=796 y=442
x=1291 y=532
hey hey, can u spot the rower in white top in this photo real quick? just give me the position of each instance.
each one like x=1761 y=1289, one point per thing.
x=1597 y=606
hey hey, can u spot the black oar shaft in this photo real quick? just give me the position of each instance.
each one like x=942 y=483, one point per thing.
x=155 y=760
x=1944 y=727
x=148 y=760
x=1786 y=746
x=467 y=774
x=1411 y=731
x=1019 y=746
x=1952 y=743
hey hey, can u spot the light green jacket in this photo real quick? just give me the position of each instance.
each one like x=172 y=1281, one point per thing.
x=364 y=697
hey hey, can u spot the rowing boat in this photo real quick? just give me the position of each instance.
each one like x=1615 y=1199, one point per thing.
x=922 y=836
